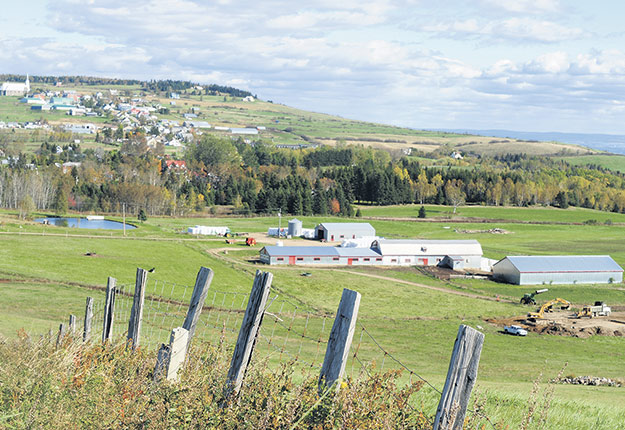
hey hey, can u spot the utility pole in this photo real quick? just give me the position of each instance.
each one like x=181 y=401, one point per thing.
x=124 y=217
x=280 y=222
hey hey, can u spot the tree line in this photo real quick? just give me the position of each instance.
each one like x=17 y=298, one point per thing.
x=261 y=179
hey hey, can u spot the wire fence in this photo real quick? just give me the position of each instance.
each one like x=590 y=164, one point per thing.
x=289 y=332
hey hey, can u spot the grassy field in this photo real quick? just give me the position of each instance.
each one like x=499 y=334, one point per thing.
x=609 y=161
x=48 y=276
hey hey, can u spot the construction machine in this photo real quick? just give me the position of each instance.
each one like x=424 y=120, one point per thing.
x=600 y=309
x=548 y=307
x=528 y=299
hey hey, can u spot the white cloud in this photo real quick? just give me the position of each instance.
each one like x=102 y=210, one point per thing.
x=525 y=6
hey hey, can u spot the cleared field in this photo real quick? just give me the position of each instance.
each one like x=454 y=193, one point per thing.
x=530 y=214
x=611 y=161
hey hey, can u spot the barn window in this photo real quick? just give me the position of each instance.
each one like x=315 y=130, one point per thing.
x=366 y=259
x=378 y=259
x=394 y=260
x=407 y=260
x=342 y=236
x=355 y=259
x=317 y=259
x=300 y=258
x=335 y=258
x=280 y=259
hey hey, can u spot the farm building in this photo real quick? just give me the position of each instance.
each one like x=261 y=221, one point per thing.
x=323 y=255
x=558 y=269
x=208 y=230
x=456 y=254
x=337 y=231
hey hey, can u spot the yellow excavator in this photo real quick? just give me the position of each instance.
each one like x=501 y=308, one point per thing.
x=548 y=307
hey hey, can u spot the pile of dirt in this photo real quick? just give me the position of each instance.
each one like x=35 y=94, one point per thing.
x=564 y=324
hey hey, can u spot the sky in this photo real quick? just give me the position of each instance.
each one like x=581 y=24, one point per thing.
x=527 y=65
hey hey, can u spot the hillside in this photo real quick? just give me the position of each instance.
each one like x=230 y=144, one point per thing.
x=280 y=124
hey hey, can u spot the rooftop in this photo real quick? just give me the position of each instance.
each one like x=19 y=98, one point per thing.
x=564 y=263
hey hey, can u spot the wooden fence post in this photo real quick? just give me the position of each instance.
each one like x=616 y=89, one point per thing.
x=171 y=357
x=200 y=291
x=461 y=377
x=86 y=330
x=61 y=335
x=136 y=313
x=109 y=310
x=340 y=340
x=72 y=324
x=249 y=330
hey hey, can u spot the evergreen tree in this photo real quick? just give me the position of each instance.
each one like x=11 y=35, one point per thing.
x=422 y=212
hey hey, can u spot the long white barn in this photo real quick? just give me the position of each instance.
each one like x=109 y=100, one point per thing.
x=457 y=254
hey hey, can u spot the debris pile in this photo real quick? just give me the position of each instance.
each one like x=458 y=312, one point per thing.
x=590 y=380
x=495 y=230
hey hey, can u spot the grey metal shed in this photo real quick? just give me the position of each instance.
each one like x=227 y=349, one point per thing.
x=558 y=269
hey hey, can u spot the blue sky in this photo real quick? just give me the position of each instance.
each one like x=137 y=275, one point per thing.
x=529 y=65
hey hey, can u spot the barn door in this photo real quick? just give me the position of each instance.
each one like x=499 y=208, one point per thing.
x=350 y=261
x=292 y=259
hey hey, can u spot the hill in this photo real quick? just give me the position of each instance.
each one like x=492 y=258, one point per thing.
x=229 y=108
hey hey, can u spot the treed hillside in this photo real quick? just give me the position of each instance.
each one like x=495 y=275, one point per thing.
x=261 y=178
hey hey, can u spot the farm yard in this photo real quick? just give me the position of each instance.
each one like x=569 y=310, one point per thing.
x=46 y=272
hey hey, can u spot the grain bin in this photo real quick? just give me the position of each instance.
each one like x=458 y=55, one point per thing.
x=295 y=228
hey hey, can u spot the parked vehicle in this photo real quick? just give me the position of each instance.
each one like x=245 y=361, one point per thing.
x=515 y=330
x=600 y=309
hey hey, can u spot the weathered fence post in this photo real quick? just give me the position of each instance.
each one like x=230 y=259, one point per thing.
x=109 y=310
x=202 y=283
x=461 y=377
x=72 y=324
x=136 y=313
x=61 y=335
x=249 y=330
x=171 y=357
x=340 y=339
x=86 y=330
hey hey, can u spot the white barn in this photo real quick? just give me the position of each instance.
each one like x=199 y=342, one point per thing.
x=338 y=231
x=464 y=253
x=558 y=269
x=15 y=88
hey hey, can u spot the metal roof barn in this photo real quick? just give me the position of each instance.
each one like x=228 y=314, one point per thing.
x=337 y=231
x=558 y=269
x=428 y=247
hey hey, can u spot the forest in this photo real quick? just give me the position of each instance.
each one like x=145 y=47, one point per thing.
x=260 y=178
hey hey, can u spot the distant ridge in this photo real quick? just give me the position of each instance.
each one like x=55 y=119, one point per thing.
x=614 y=143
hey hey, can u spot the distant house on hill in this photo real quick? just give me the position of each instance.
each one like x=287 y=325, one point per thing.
x=175 y=164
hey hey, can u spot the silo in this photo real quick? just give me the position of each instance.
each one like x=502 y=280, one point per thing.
x=295 y=228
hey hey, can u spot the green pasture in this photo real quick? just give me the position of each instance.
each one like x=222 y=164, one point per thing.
x=48 y=277
x=520 y=214
x=609 y=161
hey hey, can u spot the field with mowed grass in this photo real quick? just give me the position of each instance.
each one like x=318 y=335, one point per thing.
x=47 y=272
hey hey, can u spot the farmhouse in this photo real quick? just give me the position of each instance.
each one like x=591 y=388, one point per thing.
x=337 y=231
x=456 y=254
x=558 y=269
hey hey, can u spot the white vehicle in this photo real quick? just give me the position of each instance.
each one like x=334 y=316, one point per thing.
x=515 y=330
